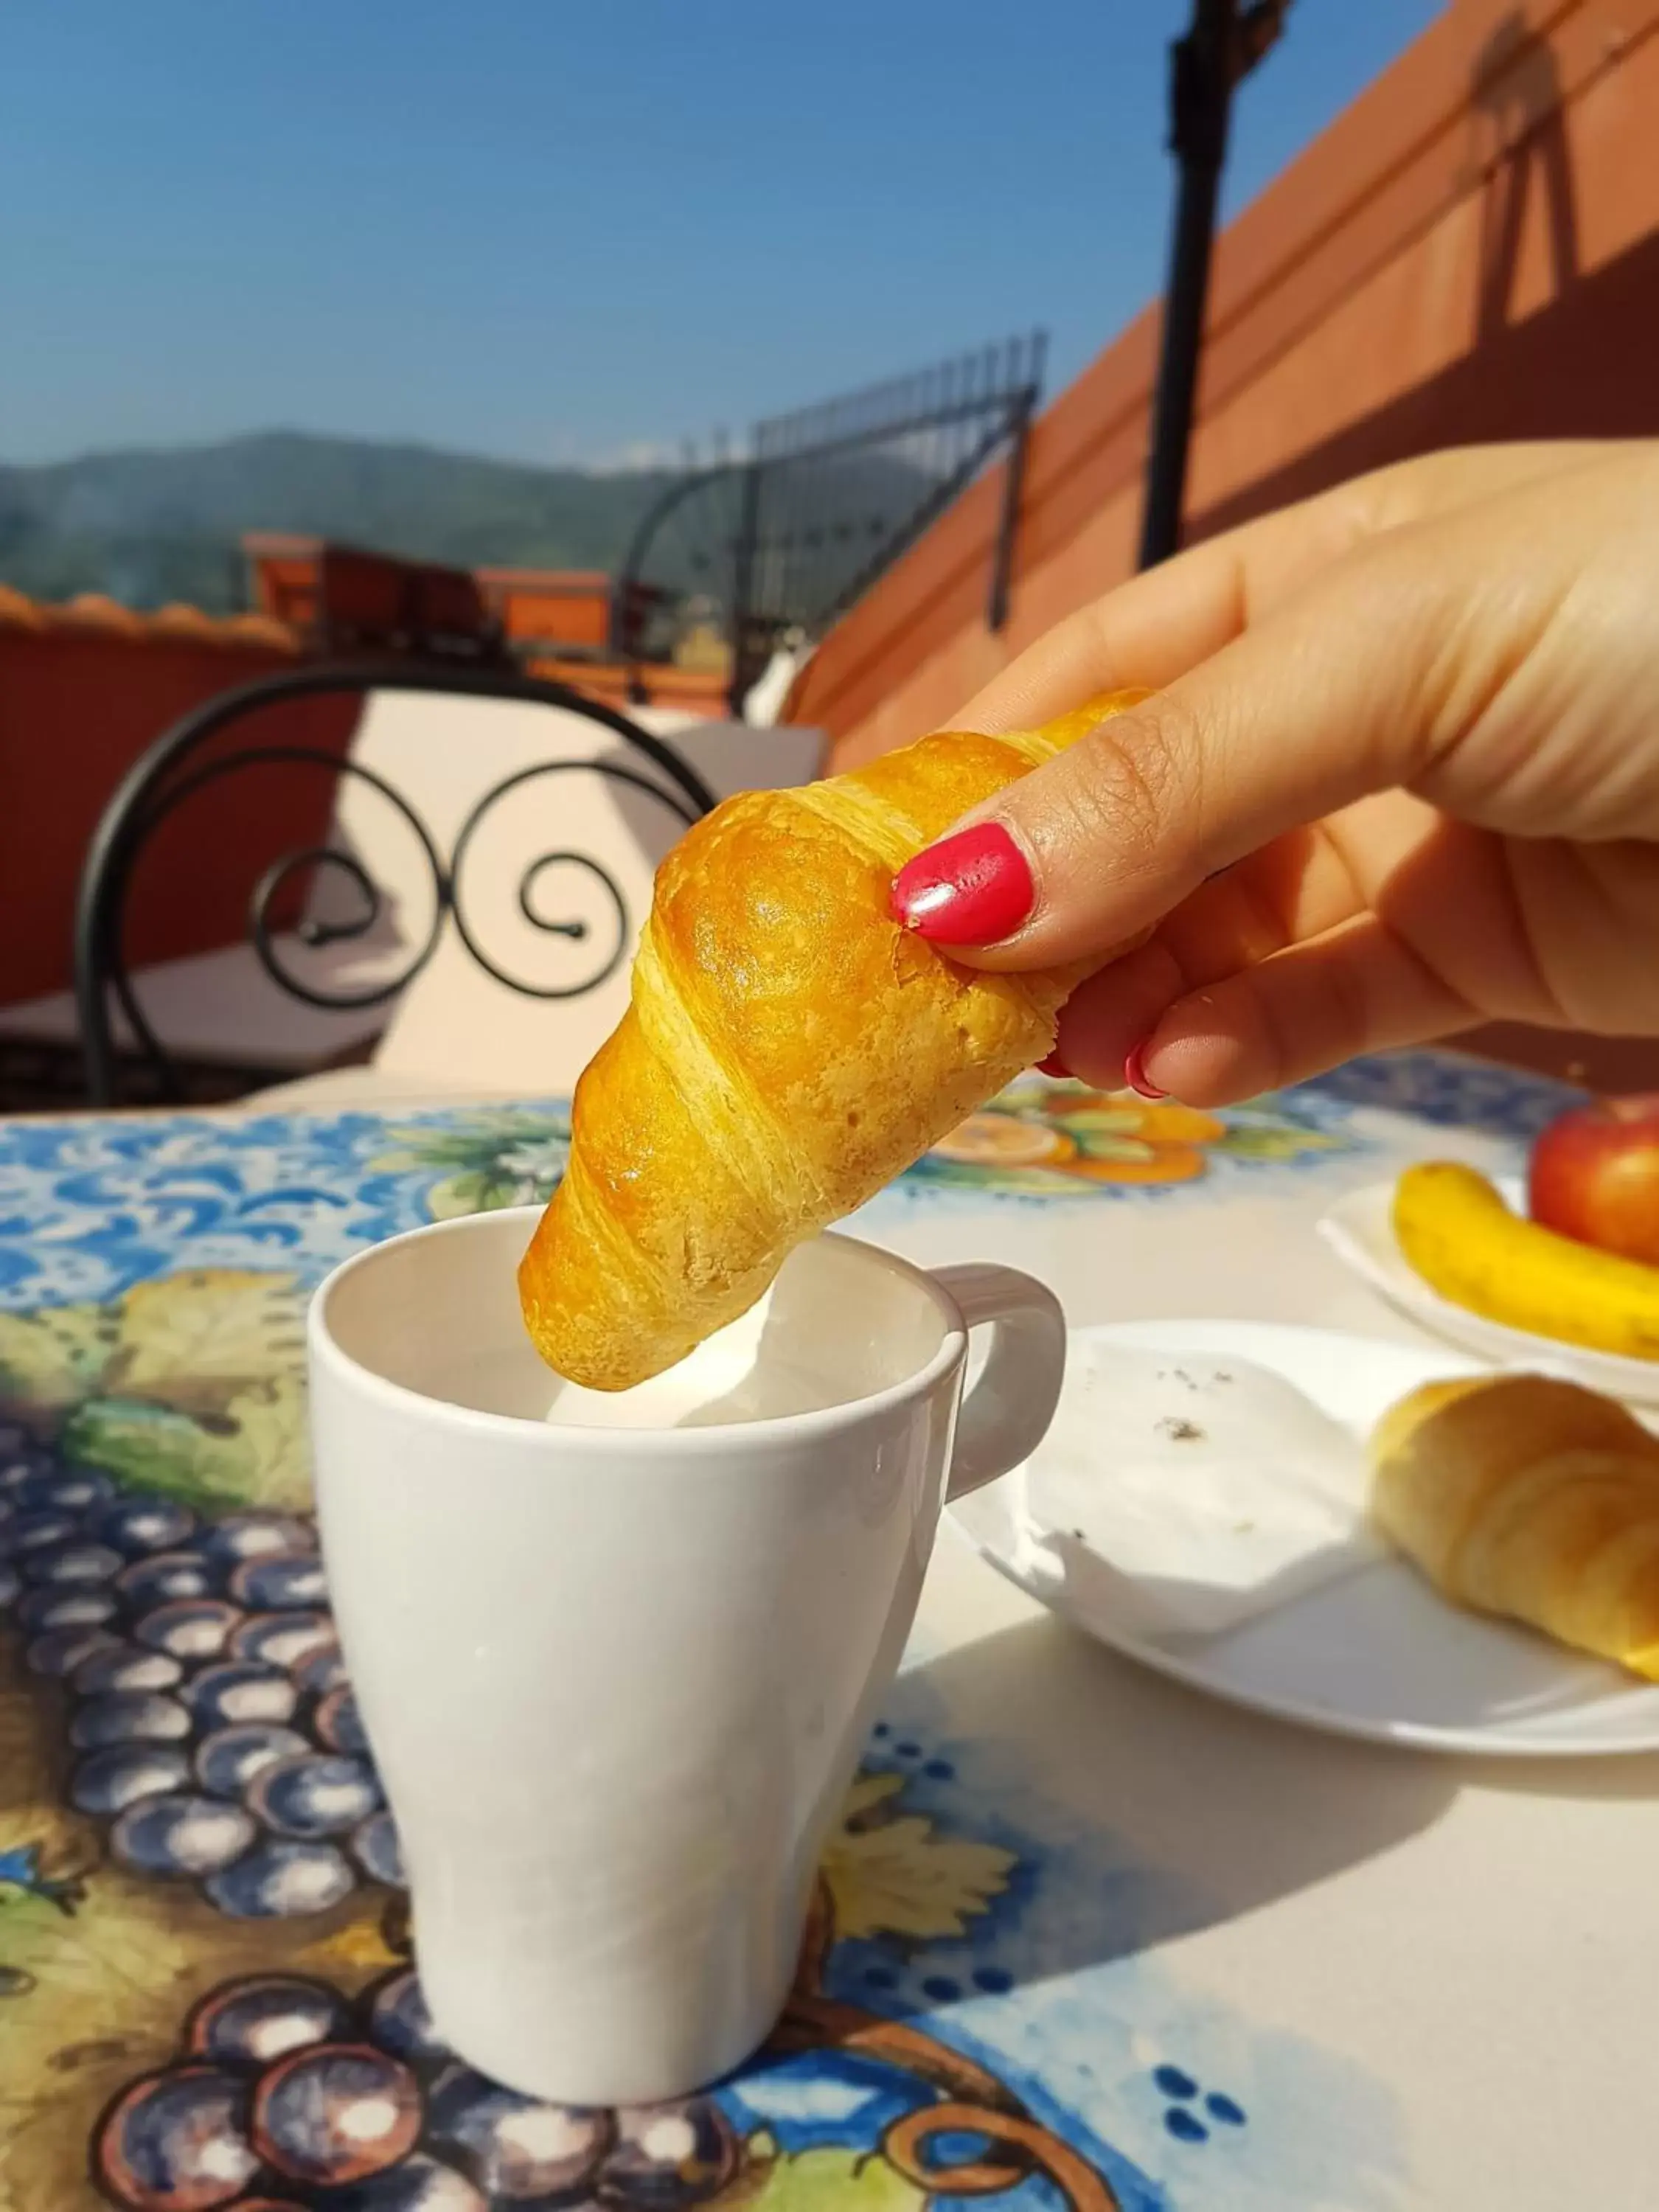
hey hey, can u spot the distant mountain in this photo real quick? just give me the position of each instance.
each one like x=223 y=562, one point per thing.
x=151 y=526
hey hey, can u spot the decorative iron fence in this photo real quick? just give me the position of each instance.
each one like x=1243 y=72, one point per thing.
x=736 y=559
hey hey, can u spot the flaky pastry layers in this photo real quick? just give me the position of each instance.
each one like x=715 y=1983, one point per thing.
x=787 y=1050
x=1531 y=1498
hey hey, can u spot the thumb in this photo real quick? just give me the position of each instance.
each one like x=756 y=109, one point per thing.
x=1342 y=694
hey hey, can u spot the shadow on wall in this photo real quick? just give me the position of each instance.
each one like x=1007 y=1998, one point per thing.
x=1516 y=112
x=1561 y=371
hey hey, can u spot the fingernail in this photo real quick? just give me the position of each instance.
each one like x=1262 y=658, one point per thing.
x=974 y=888
x=1135 y=1075
x=1054 y=1066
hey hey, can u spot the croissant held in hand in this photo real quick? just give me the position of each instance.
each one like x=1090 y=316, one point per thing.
x=1522 y=1496
x=788 y=1050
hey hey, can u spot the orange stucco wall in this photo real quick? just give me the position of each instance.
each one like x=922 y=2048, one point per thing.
x=83 y=690
x=567 y=607
x=1471 y=252
x=85 y=687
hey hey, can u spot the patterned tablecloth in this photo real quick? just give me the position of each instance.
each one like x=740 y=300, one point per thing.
x=1082 y=1939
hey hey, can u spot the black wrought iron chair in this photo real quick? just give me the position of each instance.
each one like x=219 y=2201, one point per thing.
x=171 y=770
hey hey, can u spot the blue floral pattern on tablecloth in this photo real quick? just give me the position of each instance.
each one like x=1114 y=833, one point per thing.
x=88 y=1208
x=982 y=1990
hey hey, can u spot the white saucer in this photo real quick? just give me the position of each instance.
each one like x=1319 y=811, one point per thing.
x=1376 y=1653
x=1359 y=1230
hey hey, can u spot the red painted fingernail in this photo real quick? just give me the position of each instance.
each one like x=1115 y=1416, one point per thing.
x=1135 y=1075
x=1054 y=1066
x=974 y=887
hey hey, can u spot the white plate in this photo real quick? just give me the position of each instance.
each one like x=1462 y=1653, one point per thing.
x=1359 y=1230
x=1377 y=1654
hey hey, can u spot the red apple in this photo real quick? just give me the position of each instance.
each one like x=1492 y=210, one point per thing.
x=1596 y=1177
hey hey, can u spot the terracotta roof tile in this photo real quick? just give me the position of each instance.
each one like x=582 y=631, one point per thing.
x=18 y=613
x=258 y=629
x=177 y=620
x=93 y=610
x=92 y=614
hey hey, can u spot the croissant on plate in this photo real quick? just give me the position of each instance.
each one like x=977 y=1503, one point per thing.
x=1531 y=1498
x=788 y=1048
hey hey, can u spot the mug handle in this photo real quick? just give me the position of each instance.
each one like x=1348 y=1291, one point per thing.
x=1006 y=1414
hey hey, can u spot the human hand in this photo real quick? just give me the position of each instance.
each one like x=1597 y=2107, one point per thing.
x=1401 y=777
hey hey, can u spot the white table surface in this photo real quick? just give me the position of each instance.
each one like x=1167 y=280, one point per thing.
x=1428 y=1981
x=1461 y=1956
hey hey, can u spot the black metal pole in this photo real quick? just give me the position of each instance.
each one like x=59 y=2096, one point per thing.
x=1013 y=477
x=743 y=588
x=1223 y=45
x=1201 y=75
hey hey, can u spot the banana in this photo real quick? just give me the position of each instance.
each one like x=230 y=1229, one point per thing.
x=1456 y=1230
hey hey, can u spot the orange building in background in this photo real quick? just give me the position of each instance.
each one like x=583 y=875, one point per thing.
x=562 y=612
x=83 y=690
x=85 y=687
x=1470 y=253
x=555 y=623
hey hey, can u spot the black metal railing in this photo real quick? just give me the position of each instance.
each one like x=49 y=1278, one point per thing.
x=178 y=767
x=781 y=542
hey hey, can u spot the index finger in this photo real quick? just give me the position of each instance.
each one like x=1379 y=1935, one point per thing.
x=1164 y=621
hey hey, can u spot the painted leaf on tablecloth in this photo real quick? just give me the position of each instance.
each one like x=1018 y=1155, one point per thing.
x=1103 y=1121
x=474 y=1192
x=496 y=1160
x=824 y=2180
x=103 y=2004
x=899 y=1877
x=194 y=1340
x=52 y=1359
x=271 y=1418
x=1021 y=1183
x=98 y=1966
x=254 y=1452
x=1266 y=1141
x=87 y=1986
x=461 y=1143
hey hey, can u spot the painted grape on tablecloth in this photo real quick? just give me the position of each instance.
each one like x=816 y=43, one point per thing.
x=205 y=1996
x=88 y=1209
x=204 y=1990
x=1038 y=1141
x=206 y=1993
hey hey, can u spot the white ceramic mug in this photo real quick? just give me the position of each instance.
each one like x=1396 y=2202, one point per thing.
x=618 y=1678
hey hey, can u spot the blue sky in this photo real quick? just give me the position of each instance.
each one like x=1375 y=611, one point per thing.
x=571 y=230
